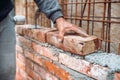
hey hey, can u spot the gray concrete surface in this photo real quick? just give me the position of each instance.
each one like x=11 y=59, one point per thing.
x=110 y=60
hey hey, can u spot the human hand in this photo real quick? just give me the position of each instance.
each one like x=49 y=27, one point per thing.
x=63 y=26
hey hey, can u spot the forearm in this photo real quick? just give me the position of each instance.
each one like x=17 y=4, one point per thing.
x=51 y=8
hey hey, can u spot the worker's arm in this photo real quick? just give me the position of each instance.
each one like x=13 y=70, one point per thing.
x=50 y=7
x=53 y=11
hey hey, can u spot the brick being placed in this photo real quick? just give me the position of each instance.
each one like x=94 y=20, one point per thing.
x=74 y=43
x=71 y=43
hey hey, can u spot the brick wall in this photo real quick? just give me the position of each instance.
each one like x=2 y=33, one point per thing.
x=40 y=56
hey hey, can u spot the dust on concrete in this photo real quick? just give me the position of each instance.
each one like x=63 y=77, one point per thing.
x=110 y=60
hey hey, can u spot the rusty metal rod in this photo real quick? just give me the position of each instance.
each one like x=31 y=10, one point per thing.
x=88 y=22
x=93 y=2
x=99 y=17
x=82 y=13
x=103 y=24
x=109 y=24
x=107 y=21
x=76 y=11
x=71 y=10
x=93 y=16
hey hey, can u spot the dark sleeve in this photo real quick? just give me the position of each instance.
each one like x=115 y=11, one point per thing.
x=50 y=7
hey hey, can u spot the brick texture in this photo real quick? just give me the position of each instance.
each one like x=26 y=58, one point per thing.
x=82 y=66
x=36 y=60
x=117 y=76
x=72 y=43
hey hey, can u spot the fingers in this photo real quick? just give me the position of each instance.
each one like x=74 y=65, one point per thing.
x=80 y=31
x=61 y=35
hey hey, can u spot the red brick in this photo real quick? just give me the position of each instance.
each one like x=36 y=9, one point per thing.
x=38 y=34
x=41 y=36
x=117 y=76
x=24 y=75
x=38 y=60
x=82 y=66
x=29 y=63
x=37 y=48
x=81 y=45
x=44 y=51
x=33 y=74
x=29 y=55
x=24 y=41
x=52 y=38
x=19 y=49
x=20 y=65
x=18 y=76
x=37 y=77
x=21 y=57
x=74 y=44
x=30 y=72
x=59 y=72
x=43 y=73
x=47 y=52
x=19 y=30
x=79 y=65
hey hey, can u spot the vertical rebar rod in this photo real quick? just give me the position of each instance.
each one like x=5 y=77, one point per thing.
x=71 y=10
x=103 y=24
x=76 y=14
x=93 y=17
x=82 y=14
x=109 y=24
x=88 y=22
x=80 y=23
x=65 y=7
x=107 y=44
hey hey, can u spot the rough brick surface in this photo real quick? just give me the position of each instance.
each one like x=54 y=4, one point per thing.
x=62 y=74
x=81 y=45
x=52 y=38
x=117 y=76
x=76 y=64
x=43 y=73
x=24 y=41
x=37 y=60
x=44 y=51
x=72 y=43
x=82 y=66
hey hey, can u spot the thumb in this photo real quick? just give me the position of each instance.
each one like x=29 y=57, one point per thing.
x=61 y=36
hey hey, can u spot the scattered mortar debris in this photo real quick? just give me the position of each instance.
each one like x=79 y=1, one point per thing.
x=110 y=60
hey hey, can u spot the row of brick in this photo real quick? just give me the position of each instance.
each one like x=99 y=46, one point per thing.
x=32 y=64
x=72 y=43
x=79 y=65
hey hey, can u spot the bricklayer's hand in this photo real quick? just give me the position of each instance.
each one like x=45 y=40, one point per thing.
x=64 y=26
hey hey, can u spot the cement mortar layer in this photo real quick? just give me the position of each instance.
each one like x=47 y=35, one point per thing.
x=110 y=60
